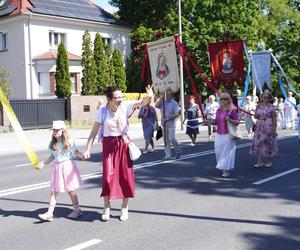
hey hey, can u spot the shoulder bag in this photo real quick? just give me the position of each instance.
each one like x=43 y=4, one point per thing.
x=234 y=131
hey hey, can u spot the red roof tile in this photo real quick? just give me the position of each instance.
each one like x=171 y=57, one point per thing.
x=52 y=54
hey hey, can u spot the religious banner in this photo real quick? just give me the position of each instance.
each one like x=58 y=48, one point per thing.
x=226 y=63
x=261 y=69
x=163 y=65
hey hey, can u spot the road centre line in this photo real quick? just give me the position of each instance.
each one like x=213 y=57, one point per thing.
x=84 y=244
x=276 y=176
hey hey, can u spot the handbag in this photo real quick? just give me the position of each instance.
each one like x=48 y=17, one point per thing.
x=134 y=151
x=234 y=131
x=159 y=133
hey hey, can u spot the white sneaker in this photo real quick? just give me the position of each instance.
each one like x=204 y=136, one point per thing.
x=268 y=164
x=105 y=216
x=226 y=173
x=124 y=214
x=258 y=165
x=75 y=214
x=46 y=217
x=193 y=144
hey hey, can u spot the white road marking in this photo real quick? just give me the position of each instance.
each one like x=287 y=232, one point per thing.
x=22 y=165
x=98 y=174
x=276 y=176
x=85 y=244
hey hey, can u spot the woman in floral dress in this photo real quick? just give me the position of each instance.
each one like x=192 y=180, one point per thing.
x=264 y=144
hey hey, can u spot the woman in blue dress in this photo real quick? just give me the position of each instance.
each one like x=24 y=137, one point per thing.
x=192 y=114
x=149 y=121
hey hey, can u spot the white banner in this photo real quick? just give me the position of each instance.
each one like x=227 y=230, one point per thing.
x=261 y=69
x=163 y=64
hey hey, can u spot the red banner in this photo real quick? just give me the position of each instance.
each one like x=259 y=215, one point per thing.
x=226 y=63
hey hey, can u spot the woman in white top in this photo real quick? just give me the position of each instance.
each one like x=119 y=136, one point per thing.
x=249 y=120
x=210 y=113
x=118 y=175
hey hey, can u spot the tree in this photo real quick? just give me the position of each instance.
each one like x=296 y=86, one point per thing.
x=5 y=83
x=88 y=80
x=111 y=70
x=119 y=70
x=139 y=37
x=148 y=13
x=275 y=22
x=101 y=65
x=62 y=75
x=281 y=34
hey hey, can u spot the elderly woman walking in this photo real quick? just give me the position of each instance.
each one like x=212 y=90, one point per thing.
x=264 y=144
x=225 y=147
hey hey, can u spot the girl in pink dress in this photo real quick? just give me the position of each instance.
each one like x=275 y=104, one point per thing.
x=65 y=175
x=264 y=144
x=118 y=174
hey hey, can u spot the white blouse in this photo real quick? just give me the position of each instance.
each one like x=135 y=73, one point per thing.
x=115 y=123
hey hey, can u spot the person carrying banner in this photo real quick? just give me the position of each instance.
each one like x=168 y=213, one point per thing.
x=169 y=112
x=225 y=147
x=264 y=142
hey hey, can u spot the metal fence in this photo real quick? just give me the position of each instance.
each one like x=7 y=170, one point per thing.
x=39 y=113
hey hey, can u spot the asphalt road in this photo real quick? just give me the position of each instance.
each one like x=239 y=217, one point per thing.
x=179 y=204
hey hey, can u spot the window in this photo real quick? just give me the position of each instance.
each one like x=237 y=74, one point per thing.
x=3 y=41
x=55 y=39
x=73 y=81
x=44 y=82
x=106 y=41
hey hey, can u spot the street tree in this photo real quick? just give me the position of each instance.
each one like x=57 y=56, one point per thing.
x=88 y=80
x=119 y=70
x=5 y=83
x=101 y=65
x=62 y=74
x=111 y=69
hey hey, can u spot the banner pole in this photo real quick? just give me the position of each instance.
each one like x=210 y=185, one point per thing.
x=181 y=70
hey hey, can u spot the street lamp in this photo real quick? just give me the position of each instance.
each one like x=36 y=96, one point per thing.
x=181 y=68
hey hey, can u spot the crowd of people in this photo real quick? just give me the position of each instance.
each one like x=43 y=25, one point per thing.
x=262 y=118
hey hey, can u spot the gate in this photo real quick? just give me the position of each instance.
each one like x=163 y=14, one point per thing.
x=39 y=113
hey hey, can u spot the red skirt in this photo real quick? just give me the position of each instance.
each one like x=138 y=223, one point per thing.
x=118 y=175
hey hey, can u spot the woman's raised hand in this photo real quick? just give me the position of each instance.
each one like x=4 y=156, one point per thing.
x=149 y=91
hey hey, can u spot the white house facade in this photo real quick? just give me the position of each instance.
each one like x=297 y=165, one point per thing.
x=30 y=32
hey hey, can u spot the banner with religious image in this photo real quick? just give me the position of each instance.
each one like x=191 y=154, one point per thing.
x=226 y=63
x=261 y=69
x=163 y=65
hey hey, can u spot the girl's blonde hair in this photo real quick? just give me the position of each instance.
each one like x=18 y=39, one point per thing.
x=65 y=140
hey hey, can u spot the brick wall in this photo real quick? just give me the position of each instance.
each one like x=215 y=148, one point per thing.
x=83 y=108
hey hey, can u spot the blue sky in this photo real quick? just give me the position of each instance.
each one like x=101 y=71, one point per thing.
x=104 y=4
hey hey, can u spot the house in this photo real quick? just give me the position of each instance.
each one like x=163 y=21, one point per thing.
x=31 y=30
